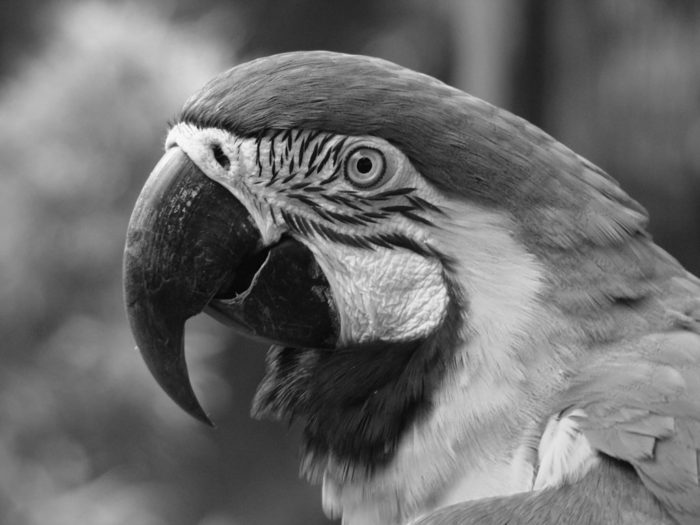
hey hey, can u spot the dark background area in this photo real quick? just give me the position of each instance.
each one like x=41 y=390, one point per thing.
x=86 y=89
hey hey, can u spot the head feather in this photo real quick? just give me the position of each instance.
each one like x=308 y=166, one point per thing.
x=458 y=142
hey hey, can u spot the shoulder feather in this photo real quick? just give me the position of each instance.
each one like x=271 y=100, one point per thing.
x=644 y=408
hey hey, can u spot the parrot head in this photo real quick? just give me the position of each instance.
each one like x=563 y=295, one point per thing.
x=404 y=246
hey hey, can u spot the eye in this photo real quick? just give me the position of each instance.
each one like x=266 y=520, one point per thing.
x=365 y=167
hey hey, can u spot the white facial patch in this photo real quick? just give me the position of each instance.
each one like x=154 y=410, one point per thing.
x=389 y=294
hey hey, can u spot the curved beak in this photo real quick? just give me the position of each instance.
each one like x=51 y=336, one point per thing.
x=192 y=245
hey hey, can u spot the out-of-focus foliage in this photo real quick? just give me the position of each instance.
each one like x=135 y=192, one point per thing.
x=413 y=33
x=86 y=89
x=82 y=123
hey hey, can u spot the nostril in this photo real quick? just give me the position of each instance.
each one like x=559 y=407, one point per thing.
x=220 y=156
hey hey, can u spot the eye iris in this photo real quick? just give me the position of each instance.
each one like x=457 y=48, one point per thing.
x=364 y=165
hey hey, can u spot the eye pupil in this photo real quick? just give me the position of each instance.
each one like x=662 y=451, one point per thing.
x=364 y=165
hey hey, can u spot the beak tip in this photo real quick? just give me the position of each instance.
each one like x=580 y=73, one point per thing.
x=174 y=380
x=200 y=415
x=194 y=409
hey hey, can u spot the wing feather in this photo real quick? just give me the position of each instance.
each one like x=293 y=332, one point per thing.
x=643 y=407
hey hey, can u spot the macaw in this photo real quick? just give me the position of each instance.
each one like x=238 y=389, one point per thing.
x=469 y=320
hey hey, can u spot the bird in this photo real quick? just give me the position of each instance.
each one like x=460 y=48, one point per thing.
x=469 y=321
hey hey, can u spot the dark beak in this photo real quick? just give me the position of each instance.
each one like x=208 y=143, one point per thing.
x=192 y=245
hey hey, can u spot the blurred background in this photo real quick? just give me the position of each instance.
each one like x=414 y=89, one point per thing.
x=86 y=89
